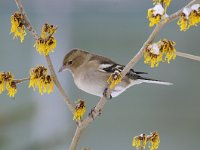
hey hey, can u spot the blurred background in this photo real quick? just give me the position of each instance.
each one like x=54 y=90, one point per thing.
x=116 y=29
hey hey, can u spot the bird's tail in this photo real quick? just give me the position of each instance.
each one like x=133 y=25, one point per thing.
x=149 y=80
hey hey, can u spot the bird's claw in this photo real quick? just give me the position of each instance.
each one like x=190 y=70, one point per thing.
x=116 y=75
x=105 y=93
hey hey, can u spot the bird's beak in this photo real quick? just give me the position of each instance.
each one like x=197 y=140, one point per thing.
x=61 y=69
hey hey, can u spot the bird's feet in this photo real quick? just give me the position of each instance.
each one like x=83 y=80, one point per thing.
x=92 y=112
x=105 y=93
x=116 y=75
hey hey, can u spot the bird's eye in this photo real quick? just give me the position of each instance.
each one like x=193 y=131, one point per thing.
x=70 y=62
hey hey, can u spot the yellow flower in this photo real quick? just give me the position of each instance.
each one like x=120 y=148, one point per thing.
x=168 y=49
x=7 y=82
x=194 y=17
x=153 y=20
x=154 y=140
x=2 y=83
x=141 y=141
x=152 y=55
x=17 y=26
x=11 y=88
x=46 y=43
x=48 y=84
x=114 y=79
x=136 y=142
x=166 y=3
x=155 y=14
x=144 y=141
x=155 y=52
x=183 y=22
x=48 y=30
x=80 y=110
x=40 y=79
x=189 y=17
x=45 y=46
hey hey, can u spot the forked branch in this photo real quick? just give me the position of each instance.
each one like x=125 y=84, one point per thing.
x=132 y=62
x=32 y=31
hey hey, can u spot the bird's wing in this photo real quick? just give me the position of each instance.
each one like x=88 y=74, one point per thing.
x=111 y=68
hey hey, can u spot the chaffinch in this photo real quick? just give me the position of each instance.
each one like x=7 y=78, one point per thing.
x=91 y=72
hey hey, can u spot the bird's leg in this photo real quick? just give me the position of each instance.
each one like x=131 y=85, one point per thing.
x=91 y=113
x=116 y=75
x=105 y=93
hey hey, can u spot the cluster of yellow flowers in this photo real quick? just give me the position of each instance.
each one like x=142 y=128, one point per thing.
x=158 y=12
x=155 y=14
x=165 y=3
x=154 y=140
x=46 y=43
x=7 y=82
x=80 y=110
x=48 y=30
x=17 y=26
x=40 y=79
x=167 y=47
x=164 y=50
x=114 y=79
x=141 y=141
x=189 y=17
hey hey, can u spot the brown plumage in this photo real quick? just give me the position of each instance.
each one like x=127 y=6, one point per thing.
x=91 y=71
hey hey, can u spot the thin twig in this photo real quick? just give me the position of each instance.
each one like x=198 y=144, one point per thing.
x=76 y=138
x=131 y=63
x=48 y=59
x=17 y=81
x=26 y=20
x=189 y=56
x=57 y=83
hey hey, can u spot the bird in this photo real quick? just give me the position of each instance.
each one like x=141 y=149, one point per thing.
x=91 y=71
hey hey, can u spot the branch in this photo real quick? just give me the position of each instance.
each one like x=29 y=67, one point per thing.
x=17 y=81
x=132 y=62
x=57 y=83
x=32 y=31
x=76 y=138
x=189 y=56
x=82 y=125
x=137 y=57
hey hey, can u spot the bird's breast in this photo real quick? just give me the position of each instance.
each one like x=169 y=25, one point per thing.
x=95 y=83
x=91 y=83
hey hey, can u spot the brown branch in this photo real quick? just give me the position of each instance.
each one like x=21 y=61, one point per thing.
x=82 y=125
x=17 y=81
x=26 y=20
x=153 y=35
x=76 y=138
x=32 y=31
x=57 y=83
x=132 y=62
x=189 y=56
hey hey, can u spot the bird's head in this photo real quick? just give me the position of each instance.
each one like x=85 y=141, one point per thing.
x=73 y=60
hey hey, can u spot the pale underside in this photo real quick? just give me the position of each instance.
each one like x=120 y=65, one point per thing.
x=93 y=82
